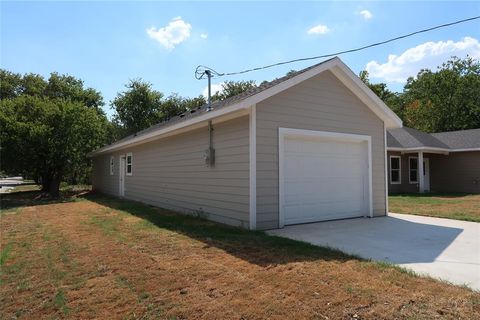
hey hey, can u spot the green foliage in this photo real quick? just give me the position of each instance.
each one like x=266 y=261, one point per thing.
x=391 y=99
x=140 y=106
x=232 y=88
x=445 y=100
x=48 y=127
x=66 y=87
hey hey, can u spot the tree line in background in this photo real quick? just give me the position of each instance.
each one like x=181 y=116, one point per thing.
x=48 y=126
x=447 y=99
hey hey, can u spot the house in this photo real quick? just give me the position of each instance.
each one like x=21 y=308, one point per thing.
x=310 y=146
x=451 y=161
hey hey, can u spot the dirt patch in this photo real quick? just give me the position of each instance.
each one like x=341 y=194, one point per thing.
x=91 y=259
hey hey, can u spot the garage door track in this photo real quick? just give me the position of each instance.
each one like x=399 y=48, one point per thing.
x=441 y=248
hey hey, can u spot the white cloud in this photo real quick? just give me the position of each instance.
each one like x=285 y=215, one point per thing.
x=428 y=55
x=366 y=14
x=320 y=29
x=215 y=88
x=204 y=35
x=175 y=32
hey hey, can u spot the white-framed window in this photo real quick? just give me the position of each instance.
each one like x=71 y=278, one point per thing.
x=129 y=164
x=413 y=170
x=112 y=164
x=395 y=170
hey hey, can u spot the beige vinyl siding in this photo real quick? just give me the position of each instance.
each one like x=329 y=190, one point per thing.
x=455 y=172
x=102 y=181
x=171 y=173
x=321 y=103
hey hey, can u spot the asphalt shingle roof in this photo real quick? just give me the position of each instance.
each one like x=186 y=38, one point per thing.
x=463 y=139
x=411 y=138
x=216 y=104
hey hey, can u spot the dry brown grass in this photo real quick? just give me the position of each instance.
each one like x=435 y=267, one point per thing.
x=105 y=258
x=451 y=206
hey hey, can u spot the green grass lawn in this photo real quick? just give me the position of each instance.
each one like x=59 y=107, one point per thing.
x=451 y=206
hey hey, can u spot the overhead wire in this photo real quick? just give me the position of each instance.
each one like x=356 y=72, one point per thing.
x=200 y=70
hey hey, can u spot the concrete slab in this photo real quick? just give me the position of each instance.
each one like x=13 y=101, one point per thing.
x=441 y=248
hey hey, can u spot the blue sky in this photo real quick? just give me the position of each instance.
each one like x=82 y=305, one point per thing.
x=108 y=43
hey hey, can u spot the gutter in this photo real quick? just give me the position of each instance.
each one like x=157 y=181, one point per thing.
x=176 y=126
x=427 y=149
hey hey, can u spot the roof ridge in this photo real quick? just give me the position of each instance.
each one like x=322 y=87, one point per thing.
x=455 y=131
x=222 y=103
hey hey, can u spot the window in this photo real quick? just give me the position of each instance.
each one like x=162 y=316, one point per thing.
x=129 y=164
x=413 y=169
x=395 y=170
x=112 y=163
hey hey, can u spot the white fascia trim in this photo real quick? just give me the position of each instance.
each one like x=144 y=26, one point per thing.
x=284 y=132
x=423 y=149
x=253 y=167
x=205 y=117
x=464 y=150
x=338 y=68
x=386 y=168
x=364 y=93
x=431 y=150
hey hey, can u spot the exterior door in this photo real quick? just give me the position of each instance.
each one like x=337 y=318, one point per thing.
x=121 y=187
x=426 y=174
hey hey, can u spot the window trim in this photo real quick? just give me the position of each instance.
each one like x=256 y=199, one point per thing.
x=112 y=165
x=410 y=169
x=399 y=170
x=131 y=164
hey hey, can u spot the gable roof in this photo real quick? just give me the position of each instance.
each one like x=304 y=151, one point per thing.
x=250 y=97
x=407 y=139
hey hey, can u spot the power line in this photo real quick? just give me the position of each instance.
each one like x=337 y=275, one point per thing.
x=199 y=72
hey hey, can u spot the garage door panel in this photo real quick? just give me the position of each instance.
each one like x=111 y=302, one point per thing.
x=308 y=212
x=324 y=179
x=302 y=191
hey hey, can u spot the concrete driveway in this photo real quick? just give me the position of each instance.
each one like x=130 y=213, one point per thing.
x=441 y=248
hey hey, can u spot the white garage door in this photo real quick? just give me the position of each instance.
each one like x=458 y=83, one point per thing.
x=324 y=178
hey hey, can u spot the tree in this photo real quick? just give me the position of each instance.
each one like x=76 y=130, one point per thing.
x=48 y=127
x=138 y=107
x=446 y=100
x=48 y=138
x=232 y=88
x=193 y=103
x=390 y=98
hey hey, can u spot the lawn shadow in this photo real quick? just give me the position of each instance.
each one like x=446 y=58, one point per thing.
x=17 y=199
x=253 y=246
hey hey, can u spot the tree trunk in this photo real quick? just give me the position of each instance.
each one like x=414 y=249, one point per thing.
x=54 y=188
x=46 y=181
